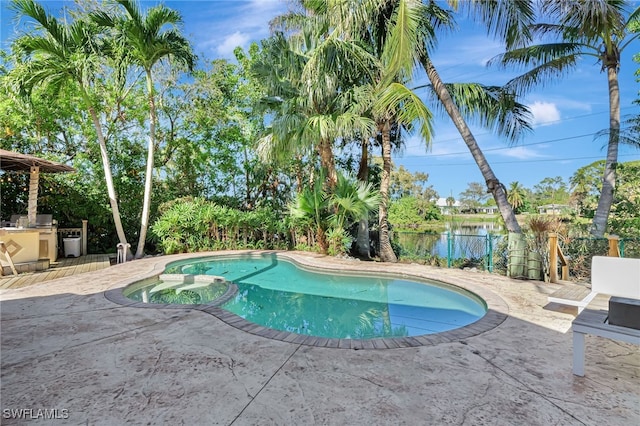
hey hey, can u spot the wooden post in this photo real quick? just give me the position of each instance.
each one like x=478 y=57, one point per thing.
x=553 y=257
x=34 y=178
x=614 y=248
x=84 y=237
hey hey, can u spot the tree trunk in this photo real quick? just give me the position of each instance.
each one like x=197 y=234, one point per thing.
x=327 y=162
x=386 y=252
x=148 y=181
x=601 y=217
x=362 y=239
x=494 y=186
x=111 y=191
x=321 y=236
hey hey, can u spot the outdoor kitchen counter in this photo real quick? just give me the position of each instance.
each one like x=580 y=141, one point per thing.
x=23 y=244
x=30 y=244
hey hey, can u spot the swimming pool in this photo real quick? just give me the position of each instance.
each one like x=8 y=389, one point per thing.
x=280 y=295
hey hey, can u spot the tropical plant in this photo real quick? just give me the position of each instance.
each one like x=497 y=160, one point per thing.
x=600 y=29
x=333 y=213
x=305 y=73
x=312 y=203
x=392 y=41
x=62 y=54
x=145 y=40
x=516 y=195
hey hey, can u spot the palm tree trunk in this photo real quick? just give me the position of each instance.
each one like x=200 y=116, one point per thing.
x=111 y=191
x=386 y=251
x=148 y=181
x=328 y=162
x=493 y=184
x=601 y=217
x=362 y=239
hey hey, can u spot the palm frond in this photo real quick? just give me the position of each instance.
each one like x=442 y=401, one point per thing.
x=406 y=107
x=508 y=20
x=404 y=44
x=629 y=133
x=588 y=20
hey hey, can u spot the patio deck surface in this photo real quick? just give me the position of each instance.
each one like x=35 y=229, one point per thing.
x=64 y=267
x=66 y=347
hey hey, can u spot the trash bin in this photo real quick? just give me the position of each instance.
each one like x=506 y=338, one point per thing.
x=71 y=246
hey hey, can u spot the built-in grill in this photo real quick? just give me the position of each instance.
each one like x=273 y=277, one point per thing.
x=44 y=221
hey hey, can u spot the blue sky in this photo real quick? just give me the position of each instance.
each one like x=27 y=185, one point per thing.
x=567 y=113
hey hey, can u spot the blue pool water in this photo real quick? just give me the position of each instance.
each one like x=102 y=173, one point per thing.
x=277 y=294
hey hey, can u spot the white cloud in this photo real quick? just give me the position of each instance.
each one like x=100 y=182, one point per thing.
x=220 y=27
x=523 y=153
x=544 y=113
x=230 y=42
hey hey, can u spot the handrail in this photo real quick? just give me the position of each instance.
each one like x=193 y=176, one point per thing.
x=555 y=252
x=614 y=247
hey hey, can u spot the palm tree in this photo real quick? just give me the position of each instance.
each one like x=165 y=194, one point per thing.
x=308 y=74
x=494 y=186
x=516 y=195
x=352 y=200
x=66 y=54
x=386 y=99
x=148 y=39
x=492 y=107
x=596 y=29
x=362 y=238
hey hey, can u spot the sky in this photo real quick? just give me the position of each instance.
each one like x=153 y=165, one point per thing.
x=567 y=113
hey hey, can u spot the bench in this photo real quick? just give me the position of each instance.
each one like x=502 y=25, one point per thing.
x=613 y=276
x=572 y=295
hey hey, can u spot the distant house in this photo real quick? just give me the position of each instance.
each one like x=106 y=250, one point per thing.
x=553 y=208
x=445 y=208
x=488 y=209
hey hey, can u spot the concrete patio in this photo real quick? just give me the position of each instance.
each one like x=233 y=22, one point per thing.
x=67 y=349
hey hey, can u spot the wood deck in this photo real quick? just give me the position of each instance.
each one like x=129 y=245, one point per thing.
x=64 y=267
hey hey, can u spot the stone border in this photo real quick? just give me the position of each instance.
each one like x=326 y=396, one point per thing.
x=497 y=308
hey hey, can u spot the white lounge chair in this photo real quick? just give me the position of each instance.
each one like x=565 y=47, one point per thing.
x=611 y=276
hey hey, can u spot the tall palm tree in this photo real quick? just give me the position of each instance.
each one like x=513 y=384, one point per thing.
x=494 y=186
x=308 y=73
x=66 y=54
x=148 y=39
x=391 y=40
x=596 y=29
x=492 y=107
x=410 y=41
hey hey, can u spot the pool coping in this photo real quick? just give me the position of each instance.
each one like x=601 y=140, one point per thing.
x=497 y=308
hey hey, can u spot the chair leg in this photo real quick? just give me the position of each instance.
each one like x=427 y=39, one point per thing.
x=3 y=250
x=578 y=354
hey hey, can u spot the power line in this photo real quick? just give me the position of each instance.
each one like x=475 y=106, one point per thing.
x=508 y=147
x=547 y=160
x=575 y=117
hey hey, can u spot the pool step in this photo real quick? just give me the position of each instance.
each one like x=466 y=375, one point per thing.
x=193 y=281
